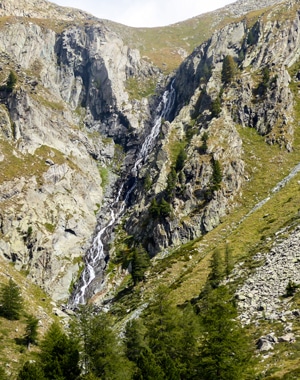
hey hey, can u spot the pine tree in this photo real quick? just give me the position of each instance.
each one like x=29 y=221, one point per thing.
x=154 y=208
x=10 y=301
x=165 y=208
x=140 y=263
x=171 y=184
x=134 y=340
x=180 y=160
x=31 y=332
x=164 y=334
x=11 y=81
x=225 y=351
x=104 y=357
x=31 y=371
x=147 y=367
x=59 y=355
x=217 y=271
x=228 y=69
x=138 y=352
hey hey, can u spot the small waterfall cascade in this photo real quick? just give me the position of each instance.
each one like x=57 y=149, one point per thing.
x=96 y=256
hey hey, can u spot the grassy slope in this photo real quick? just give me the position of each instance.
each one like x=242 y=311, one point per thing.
x=164 y=45
x=12 y=353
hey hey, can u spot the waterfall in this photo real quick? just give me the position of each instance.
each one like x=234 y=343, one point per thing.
x=96 y=252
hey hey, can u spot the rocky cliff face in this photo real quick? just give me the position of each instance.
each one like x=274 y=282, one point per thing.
x=72 y=128
x=59 y=127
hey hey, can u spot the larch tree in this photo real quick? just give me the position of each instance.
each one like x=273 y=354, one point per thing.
x=11 y=303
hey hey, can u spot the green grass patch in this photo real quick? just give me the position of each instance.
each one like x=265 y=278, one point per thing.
x=138 y=89
x=104 y=174
x=49 y=227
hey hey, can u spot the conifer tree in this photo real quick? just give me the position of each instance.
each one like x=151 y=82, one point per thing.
x=59 y=355
x=11 y=303
x=140 y=263
x=171 y=184
x=180 y=160
x=217 y=271
x=228 y=69
x=105 y=358
x=225 y=351
x=31 y=371
x=165 y=208
x=31 y=332
x=134 y=339
x=164 y=334
x=11 y=81
x=217 y=172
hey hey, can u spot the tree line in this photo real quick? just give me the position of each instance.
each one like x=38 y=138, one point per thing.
x=200 y=340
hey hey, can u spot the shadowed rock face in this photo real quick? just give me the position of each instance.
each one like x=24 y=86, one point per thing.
x=73 y=126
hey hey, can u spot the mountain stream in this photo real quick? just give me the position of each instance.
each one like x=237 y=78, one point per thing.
x=96 y=256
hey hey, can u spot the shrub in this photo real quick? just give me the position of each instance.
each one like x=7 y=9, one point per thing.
x=11 y=81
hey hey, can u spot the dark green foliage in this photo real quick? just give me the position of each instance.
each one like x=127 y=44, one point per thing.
x=216 y=179
x=228 y=69
x=147 y=367
x=31 y=371
x=171 y=337
x=11 y=303
x=134 y=339
x=264 y=85
x=180 y=160
x=165 y=208
x=11 y=81
x=216 y=175
x=291 y=289
x=31 y=332
x=154 y=208
x=103 y=357
x=59 y=355
x=171 y=184
x=225 y=352
x=138 y=352
x=217 y=269
x=140 y=263
x=159 y=209
x=216 y=107
x=252 y=37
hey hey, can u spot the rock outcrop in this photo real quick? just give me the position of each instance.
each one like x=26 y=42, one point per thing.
x=59 y=127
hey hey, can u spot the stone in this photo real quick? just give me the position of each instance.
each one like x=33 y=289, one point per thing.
x=287 y=338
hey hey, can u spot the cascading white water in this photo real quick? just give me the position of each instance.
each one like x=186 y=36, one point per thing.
x=96 y=251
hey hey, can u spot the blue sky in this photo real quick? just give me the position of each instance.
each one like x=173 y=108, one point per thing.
x=145 y=13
